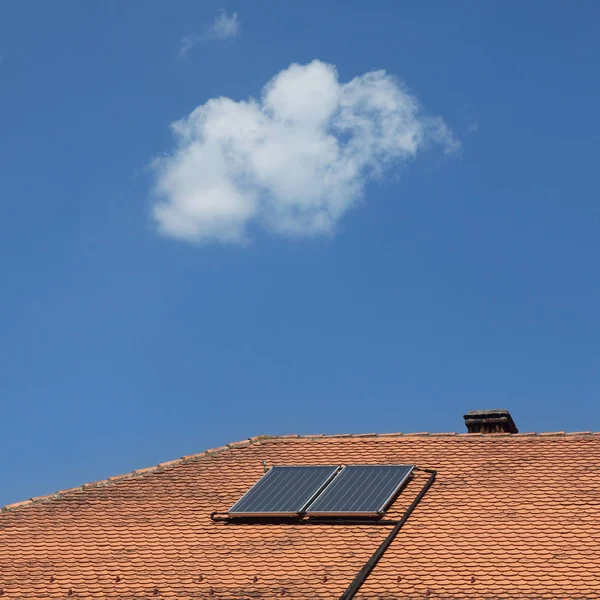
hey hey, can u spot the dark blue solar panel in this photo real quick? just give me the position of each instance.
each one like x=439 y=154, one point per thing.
x=283 y=491
x=361 y=490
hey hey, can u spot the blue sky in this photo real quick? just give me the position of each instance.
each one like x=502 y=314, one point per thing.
x=298 y=268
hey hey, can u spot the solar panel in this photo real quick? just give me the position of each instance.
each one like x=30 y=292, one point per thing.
x=283 y=491
x=361 y=490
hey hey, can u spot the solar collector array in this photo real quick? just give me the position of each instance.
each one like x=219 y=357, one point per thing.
x=325 y=490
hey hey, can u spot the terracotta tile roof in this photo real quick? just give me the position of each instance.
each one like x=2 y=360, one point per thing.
x=509 y=516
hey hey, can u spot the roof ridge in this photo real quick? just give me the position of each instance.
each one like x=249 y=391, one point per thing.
x=271 y=438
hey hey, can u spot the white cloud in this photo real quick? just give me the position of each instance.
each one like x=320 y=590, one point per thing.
x=293 y=162
x=223 y=27
x=473 y=127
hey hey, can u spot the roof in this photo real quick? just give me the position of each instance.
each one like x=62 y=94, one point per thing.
x=509 y=516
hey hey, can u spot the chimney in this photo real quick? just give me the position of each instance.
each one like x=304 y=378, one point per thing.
x=494 y=420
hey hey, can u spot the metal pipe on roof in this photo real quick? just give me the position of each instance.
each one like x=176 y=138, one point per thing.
x=223 y=518
x=362 y=575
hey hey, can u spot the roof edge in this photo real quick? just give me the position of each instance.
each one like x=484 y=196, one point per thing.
x=141 y=472
x=271 y=438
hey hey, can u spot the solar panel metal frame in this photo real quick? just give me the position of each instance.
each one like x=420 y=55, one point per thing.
x=315 y=495
x=375 y=513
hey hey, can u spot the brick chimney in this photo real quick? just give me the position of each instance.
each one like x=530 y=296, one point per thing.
x=494 y=420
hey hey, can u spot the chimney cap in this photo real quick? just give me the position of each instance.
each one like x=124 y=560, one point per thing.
x=492 y=420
